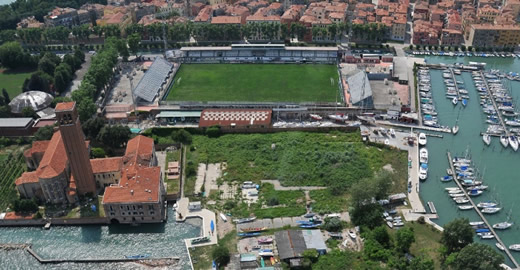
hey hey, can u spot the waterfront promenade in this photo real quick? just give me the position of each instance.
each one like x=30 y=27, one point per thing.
x=206 y=215
x=454 y=174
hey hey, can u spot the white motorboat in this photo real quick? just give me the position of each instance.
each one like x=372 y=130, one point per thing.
x=513 y=142
x=490 y=210
x=515 y=247
x=457 y=195
x=338 y=117
x=499 y=246
x=455 y=191
x=486 y=138
x=455 y=129
x=460 y=200
x=475 y=192
x=502 y=225
x=392 y=132
x=423 y=172
x=316 y=117
x=504 y=141
x=423 y=155
x=486 y=236
x=452 y=188
x=422 y=139
x=455 y=101
x=465 y=207
x=479 y=187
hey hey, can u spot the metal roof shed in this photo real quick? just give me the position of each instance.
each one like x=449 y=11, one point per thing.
x=314 y=240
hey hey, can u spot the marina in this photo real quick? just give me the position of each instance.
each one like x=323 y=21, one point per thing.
x=479 y=212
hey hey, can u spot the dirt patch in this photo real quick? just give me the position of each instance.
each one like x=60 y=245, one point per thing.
x=389 y=168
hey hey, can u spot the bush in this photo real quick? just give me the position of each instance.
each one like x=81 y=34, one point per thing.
x=213 y=131
x=98 y=152
x=272 y=201
x=25 y=205
x=228 y=205
x=332 y=225
x=182 y=136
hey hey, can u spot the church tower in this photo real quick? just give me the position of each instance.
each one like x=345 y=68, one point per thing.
x=74 y=141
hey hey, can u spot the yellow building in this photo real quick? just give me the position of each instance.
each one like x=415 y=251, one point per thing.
x=490 y=35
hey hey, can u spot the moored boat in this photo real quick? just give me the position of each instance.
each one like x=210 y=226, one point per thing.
x=422 y=139
x=502 y=225
x=499 y=246
x=515 y=247
x=465 y=207
x=476 y=223
x=504 y=141
x=455 y=101
x=486 y=138
x=490 y=210
x=513 y=142
x=487 y=204
x=423 y=155
x=446 y=178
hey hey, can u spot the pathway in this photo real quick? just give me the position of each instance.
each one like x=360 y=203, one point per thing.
x=278 y=186
x=413 y=174
x=411 y=216
x=490 y=95
x=206 y=215
x=454 y=173
x=388 y=123
x=277 y=223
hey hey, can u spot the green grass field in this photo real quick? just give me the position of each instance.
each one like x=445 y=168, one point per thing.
x=255 y=82
x=13 y=81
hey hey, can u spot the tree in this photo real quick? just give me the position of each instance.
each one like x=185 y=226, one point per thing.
x=44 y=133
x=478 y=256
x=457 y=234
x=273 y=200
x=98 y=152
x=11 y=54
x=6 y=96
x=332 y=225
x=72 y=61
x=39 y=81
x=182 y=136
x=28 y=112
x=133 y=43
x=220 y=255
x=86 y=109
x=57 y=100
x=380 y=234
x=114 y=136
x=419 y=263
x=366 y=212
x=404 y=239
x=47 y=65
x=92 y=126
x=79 y=54
x=25 y=205
x=310 y=255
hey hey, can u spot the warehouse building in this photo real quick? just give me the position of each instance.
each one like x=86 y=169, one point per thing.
x=292 y=243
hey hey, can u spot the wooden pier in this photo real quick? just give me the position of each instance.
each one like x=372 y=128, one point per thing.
x=455 y=83
x=454 y=174
x=490 y=96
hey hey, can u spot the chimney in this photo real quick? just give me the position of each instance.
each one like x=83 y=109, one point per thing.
x=132 y=192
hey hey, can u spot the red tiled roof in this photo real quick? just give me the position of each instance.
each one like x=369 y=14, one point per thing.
x=54 y=160
x=101 y=165
x=238 y=117
x=65 y=106
x=139 y=150
x=27 y=177
x=143 y=187
x=226 y=20
x=37 y=147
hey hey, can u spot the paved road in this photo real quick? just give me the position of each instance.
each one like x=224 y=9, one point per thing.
x=278 y=186
x=80 y=73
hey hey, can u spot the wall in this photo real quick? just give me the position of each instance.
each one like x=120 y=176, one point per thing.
x=54 y=221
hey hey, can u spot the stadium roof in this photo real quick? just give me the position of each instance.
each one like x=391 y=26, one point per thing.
x=15 y=122
x=235 y=117
x=153 y=79
x=359 y=87
x=179 y=114
x=37 y=100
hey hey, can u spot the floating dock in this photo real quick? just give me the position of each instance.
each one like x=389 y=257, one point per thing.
x=490 y=96
x=454 y=174
x=455 y=82
x=432 y=208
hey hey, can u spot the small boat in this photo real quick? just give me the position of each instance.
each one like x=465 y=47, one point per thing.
x=455 y=129
x=515 y=247
x=47 y=226
x=486 y=236
x=499 y=246
x=451 y=188
x=482 y=230
x=272 y=261
x=504 y=141
x=465 y=207
x=487 y=204
x=199 y=240
x=422 y=139
x=486 y=138
x=316 y=117
x=253 y=229
x=476 y=223
x=140 y=256
x=392 y=132
x=423 y=155
x=267 y=240
x=390 y=224
x=460 y=200
x=214 y=266
x=266 y=253
x=455 y=191
x=455 y=101
x=244 y=220
x=423 y=171
x=475 y=192
x=446 y=178
x=309 y=215
x=456 y=195
x=464 y=102
x=249 y=234
x=309 y=226
x=223 y=217
x=490 y=210
x=502 y=225
x=513 y=142
x=338 y=117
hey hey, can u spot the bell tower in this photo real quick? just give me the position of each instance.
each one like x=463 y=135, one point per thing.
x=74 y=141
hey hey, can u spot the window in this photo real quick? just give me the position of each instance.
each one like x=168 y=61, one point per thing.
x=135 y=213
x=140 y=207
x=150 y=207
x=152 y=213
x=111 y=209
x=112 y=214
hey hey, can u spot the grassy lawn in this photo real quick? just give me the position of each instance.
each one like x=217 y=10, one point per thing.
x=255 y=82
x=290 y=203
x=13 y=81
x=173 y=185
x=427 y=242
x=325 y=202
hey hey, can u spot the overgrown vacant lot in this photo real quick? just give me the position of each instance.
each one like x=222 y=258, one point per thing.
x=334 y=160
x=255 y=82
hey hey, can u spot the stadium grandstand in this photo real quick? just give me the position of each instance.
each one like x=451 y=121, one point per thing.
x=259 y=53
x=154 y=80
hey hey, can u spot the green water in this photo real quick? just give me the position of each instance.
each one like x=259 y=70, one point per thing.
x=497 y=163
x=115 y=241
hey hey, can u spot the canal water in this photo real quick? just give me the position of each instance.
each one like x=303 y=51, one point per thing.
x=499 y=165
x=114 y=241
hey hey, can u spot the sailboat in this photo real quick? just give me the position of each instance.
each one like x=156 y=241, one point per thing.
x=455 y=129
x=504 y=141
x=455 y=101
x=513 y=142
x=504 y=225
x=486 y=138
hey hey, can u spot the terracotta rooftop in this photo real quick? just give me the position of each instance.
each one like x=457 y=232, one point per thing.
x=139 y=150
x=37 y=147
x=495 y=27
x=55 y=159
x=101 y=165
x=263 y=18
x=143 y=187
x=27 y=177
x=226 y=20
x=65 y=106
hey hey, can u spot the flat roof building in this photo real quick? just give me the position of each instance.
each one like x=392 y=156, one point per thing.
x=292 y=243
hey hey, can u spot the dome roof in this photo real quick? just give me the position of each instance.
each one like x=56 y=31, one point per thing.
x=38 y=100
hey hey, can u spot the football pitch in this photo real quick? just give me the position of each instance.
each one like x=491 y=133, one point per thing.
x=255 y=83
